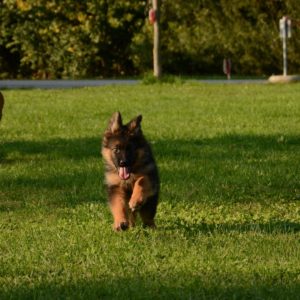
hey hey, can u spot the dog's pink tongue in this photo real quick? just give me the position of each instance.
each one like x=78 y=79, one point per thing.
x=123 y=173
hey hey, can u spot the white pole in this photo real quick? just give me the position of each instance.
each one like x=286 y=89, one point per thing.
x=156 y=40
x=285 y=32
x=284 y=48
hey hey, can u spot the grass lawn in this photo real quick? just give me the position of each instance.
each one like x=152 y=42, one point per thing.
x=229 y=213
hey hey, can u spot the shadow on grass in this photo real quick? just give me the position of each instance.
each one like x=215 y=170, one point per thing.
x=68 y=185
x=60 y=190
x=78 y=148
x=225 y=146
x=180 y=286
x=205 y=228
x=234 y=149
x=221 y=146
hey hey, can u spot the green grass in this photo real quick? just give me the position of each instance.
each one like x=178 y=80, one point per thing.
x=229 y=213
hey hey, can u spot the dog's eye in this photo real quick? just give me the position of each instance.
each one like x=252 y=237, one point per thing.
x=116 y=150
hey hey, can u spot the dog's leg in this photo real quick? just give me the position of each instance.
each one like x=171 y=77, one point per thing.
x=119 y=209
x=144 y=199
x=132 y=218
x=148 y=211
x=141 y=191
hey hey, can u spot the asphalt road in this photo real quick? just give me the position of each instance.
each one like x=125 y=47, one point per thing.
x=56 y=84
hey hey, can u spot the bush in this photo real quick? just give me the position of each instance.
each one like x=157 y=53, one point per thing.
x=101 y=38
x=55 y=39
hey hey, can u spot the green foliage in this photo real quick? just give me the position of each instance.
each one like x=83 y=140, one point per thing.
x=199 y=34
x=98 y=38
x=70 y=39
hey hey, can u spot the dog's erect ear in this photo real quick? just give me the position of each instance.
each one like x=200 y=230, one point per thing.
x=115 y=122
x=135 y=124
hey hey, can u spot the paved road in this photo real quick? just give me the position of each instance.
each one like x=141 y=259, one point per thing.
x=54 y=84
x=51 y=84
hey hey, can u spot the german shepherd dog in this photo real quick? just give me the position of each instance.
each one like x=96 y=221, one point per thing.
x=130 y=172
x=1 y=104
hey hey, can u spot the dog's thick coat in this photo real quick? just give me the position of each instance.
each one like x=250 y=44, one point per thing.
x=130 y=172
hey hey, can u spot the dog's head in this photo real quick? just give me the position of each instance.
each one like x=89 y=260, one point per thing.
x=121 y=143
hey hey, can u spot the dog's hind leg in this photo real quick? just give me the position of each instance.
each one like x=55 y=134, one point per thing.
x=148 y=211
x=132 y=218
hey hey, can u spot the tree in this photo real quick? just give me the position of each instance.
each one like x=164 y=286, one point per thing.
x=99 y=38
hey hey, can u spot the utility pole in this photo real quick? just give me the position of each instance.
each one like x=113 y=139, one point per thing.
x=156 y=38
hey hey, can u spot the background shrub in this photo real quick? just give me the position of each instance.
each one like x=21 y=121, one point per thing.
x=101 y=38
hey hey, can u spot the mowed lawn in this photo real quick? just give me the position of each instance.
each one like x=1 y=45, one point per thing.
x=229 y=214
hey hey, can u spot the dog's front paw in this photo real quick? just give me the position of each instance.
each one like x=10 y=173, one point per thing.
x=122 y=226
x=135 y=205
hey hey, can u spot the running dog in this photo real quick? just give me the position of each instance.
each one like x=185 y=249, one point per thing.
x=131 y=173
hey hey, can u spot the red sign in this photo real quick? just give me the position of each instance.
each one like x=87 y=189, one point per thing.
x=227 y=67
x=152 y=16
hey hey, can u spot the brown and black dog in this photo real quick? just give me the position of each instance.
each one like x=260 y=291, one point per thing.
x=131 y=173
x=1 y=104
